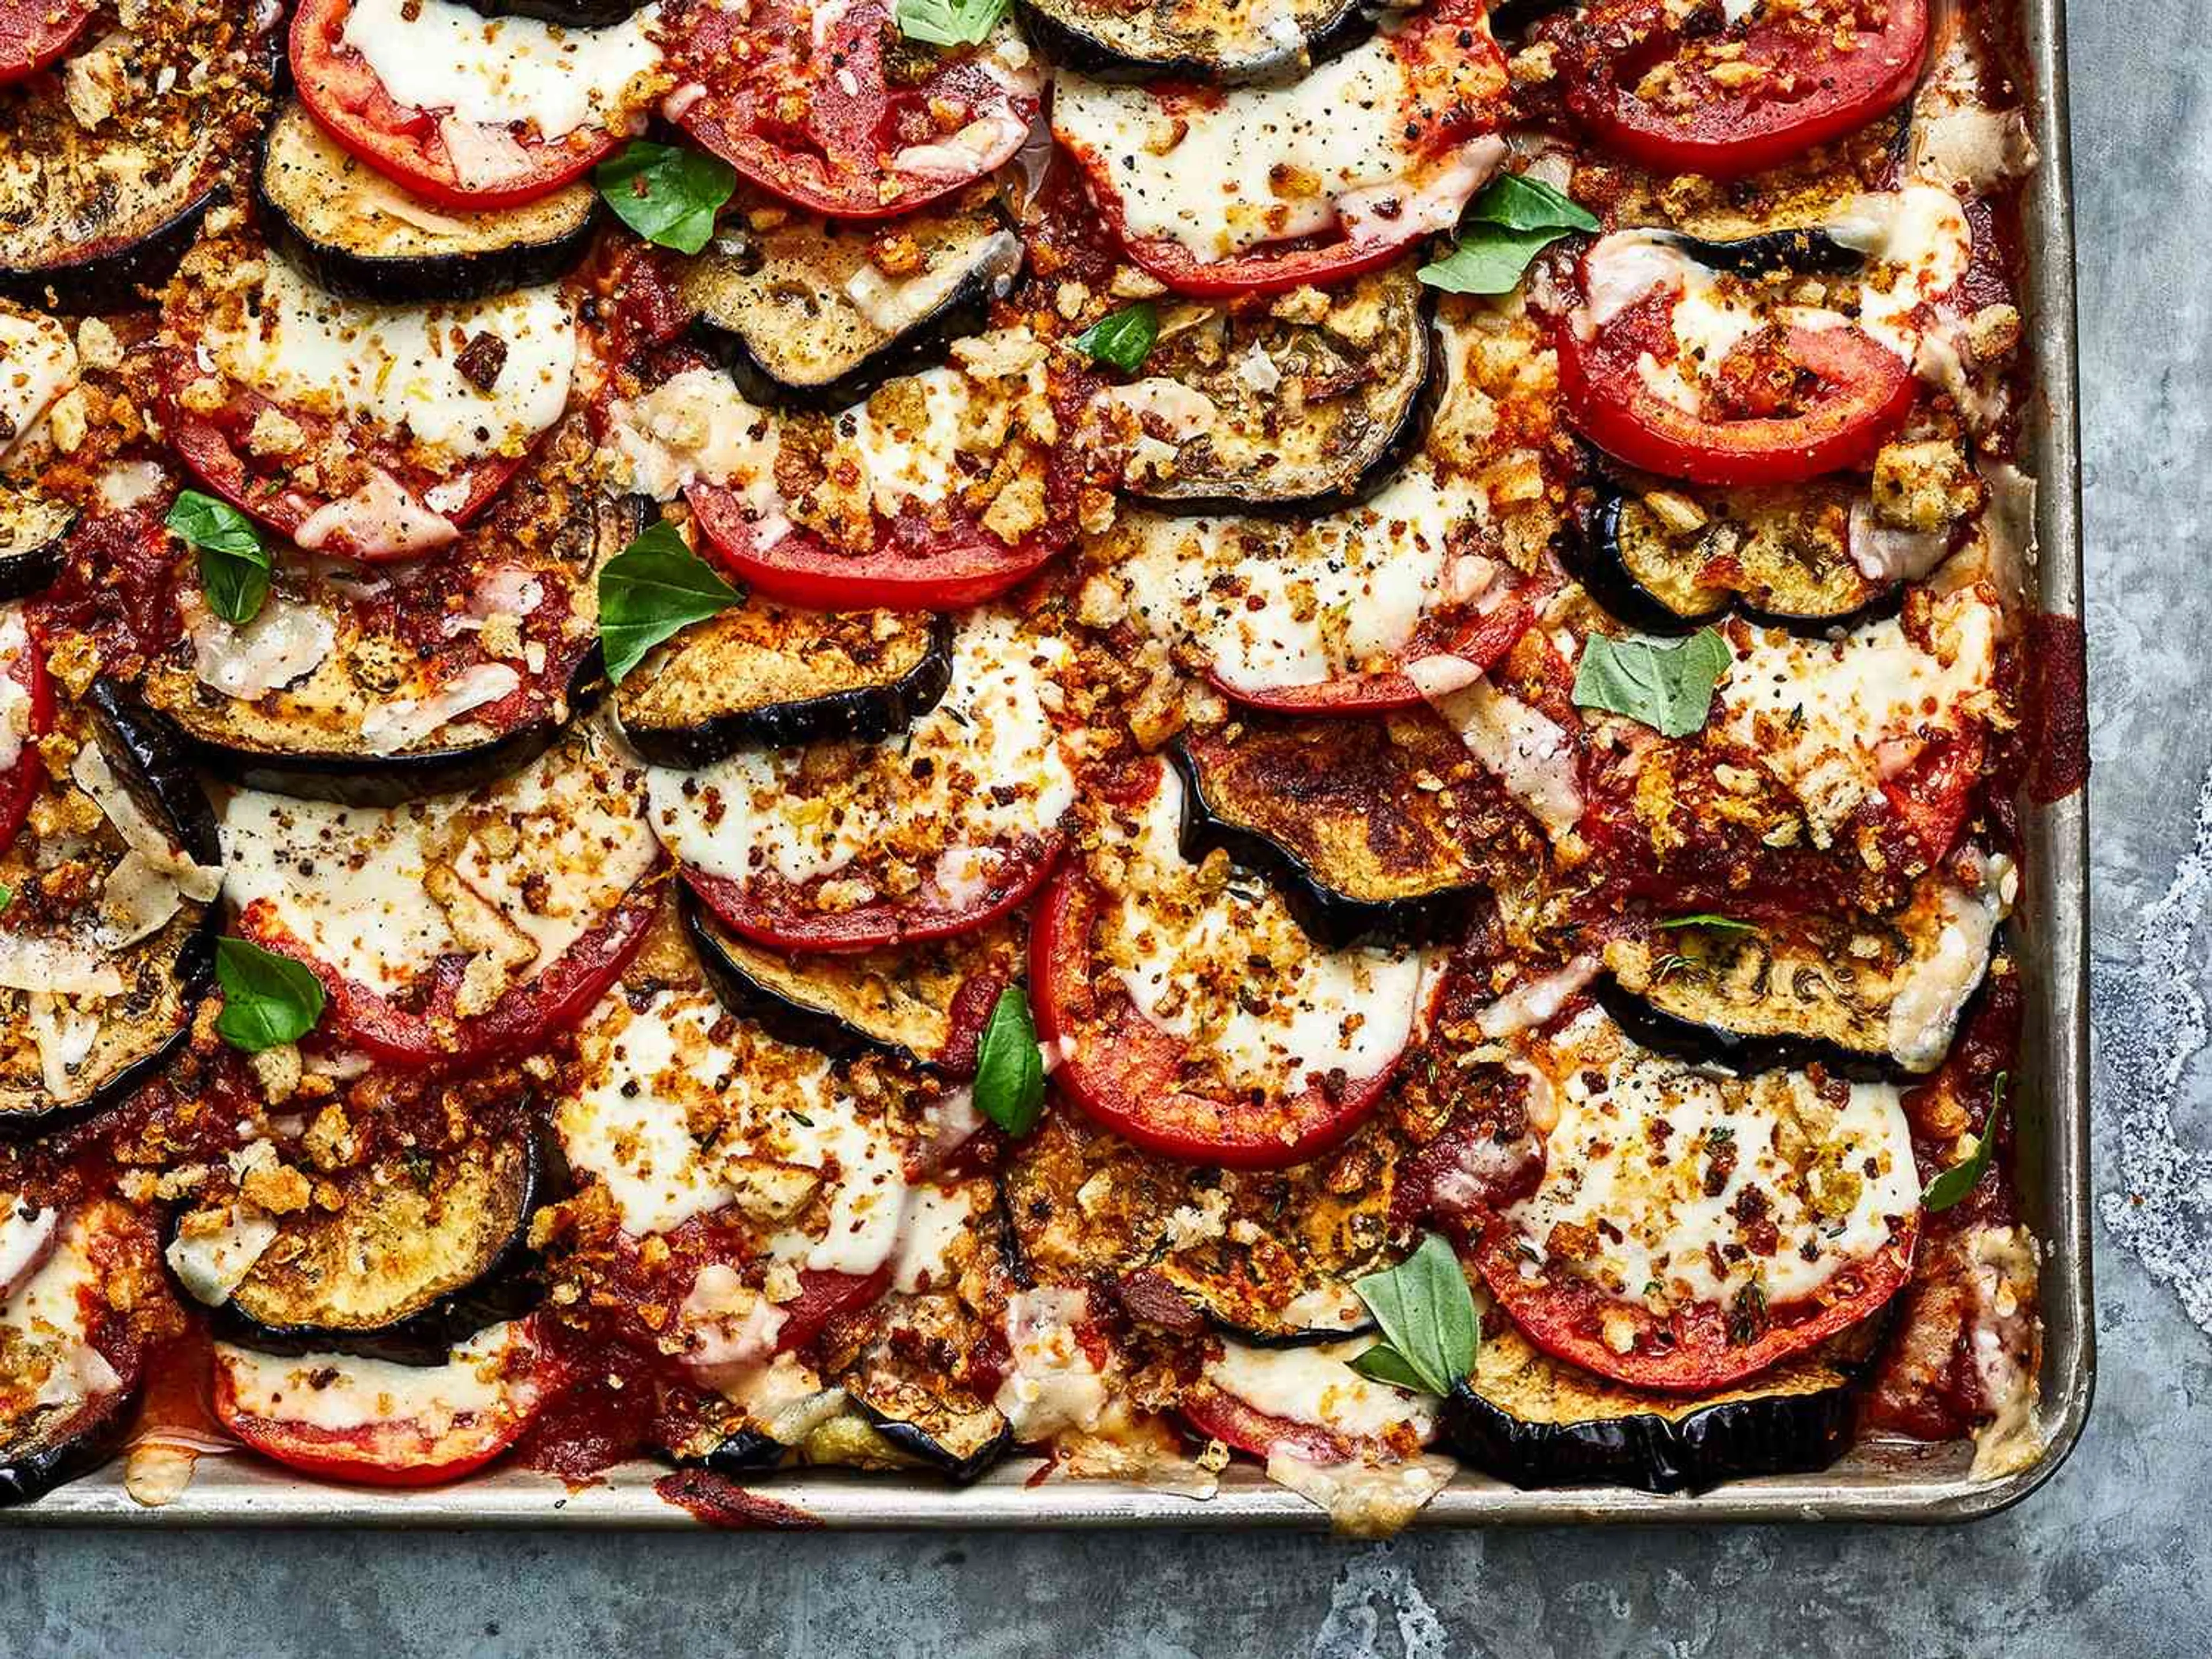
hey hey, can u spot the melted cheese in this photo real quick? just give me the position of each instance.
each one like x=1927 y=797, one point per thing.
x=1524 y=748
x=1925 y=1010
x=504 y=72
x=45 y=1331
x=1227 y=971
x=338 y=1392
x=1653 y=1222
x=38 y=363
x=984 y=768
x=395 y=366
x=1051 y=1386
x=520 y=871
x=1917 y=244
x=1317 y=1385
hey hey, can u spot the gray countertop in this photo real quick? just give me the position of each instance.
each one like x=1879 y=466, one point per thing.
x=2108 y=1558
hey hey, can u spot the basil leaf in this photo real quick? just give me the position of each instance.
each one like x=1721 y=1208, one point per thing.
x=1009 y=1070
x=667 y=194
x=1505 y=227
x=949 y=23
x=234 y=563
x=7 y=895
x=1122 y=340
x=653 y=589
x=1667 y=687
x=1384 y=1364
x=1427 y=1317
x=1952 y=1184
x=1707 y=918
x=266 y=998
x=1523 y=204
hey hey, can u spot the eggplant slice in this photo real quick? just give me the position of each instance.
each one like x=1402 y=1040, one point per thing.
x=1533 y=1421
x=901 y=1383
x=353 y=690
x=34 y=530
x=359 y=236
x=903 y=1000
x=1873 y=1000
x=424 y=1252
x=1247 y=411
x=104 y=977
x=1345 y=819
x=1222 y=42
x=570 y=14
x=762 y=676
x=804 y=317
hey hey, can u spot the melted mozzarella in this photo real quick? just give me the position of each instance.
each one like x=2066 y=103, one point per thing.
x=1925 y=1009
x=38 y=363
x=983 y=767
x=1919 y=245
x=520 y=871
x=693 y=427
x=338 y=1392
x=1276 y=606
x=399 y=365
x=1830 y=719
x=46 y=1326
x=1522 y=747
x=935 y=1220
x=498 y=72
x=1227 y=172
x=15 y=695
x=1051 y=1386
x=1229 y=972
x=1317 y=1385
x=1629 y=1169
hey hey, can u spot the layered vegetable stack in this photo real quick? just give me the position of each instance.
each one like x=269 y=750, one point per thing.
x=862 y=732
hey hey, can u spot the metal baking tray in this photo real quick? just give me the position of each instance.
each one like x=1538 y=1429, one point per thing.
x=1882 y=1479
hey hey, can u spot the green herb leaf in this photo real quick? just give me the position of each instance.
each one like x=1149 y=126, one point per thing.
x=1505 y=227
x=1667 y=687
x=266 y=998
x=949 y=23
x=7 y=895
x=1122 y=340
x=1009 y=1070
x=1427 y=1316
x=667 y=194
x=1707 y=918
x=1955 y=1183
x=653 y=589
x=233 y=563
x=1384 y=1364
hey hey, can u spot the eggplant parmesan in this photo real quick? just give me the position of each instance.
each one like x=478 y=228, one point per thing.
x=1198 y=733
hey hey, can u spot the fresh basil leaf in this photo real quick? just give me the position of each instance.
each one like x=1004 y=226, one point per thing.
x=1427 y=1316
x=1122 y=340
x=1952 y=1184
x=267 y=999
x=1523 y=204
x=1505 y=227
x=7 y=895
x=1009 y=1070
x=667 y=194
x=1384 y=1364
x=1667 y=687
x=233 y=563
x=949 y=23
x=653 y=589
x=1707 y=920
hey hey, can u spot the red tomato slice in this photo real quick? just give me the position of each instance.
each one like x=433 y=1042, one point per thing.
x=1932 y=795
x=1220 y=1415
x=799 y=97
x=411 y=145
x=1693 y=1349
x=34 y=33
x=23 y=662
x=1861 y=392
x=434 y=1036
x=1480 y=644
x=1457 y=89
x=1828 y=68
x=822 y=1296
x=382 y=1425
x=771 y=911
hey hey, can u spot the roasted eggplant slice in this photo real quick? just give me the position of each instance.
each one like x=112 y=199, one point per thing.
x=1245 y=411
x=351 y=686
x=927 y=1001
x=1368 y=830
x=805 y=317
x=1222 y=42
x=103 y=954
x=1870 y=999
x=1806 y=251
x=570 y=14
x=1668 y=561
x=906 y=1383
x=34 y=530
x=762 y=676
x=1534 y=1421
x=361 y=237
x=422 y=1252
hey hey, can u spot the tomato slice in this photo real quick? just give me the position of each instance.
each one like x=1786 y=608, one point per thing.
x=445 y=157
x=434 y=1034
x=825 y=103
x=1480 y=644
x=1932 y=796
x=772 y=913
x=822 y=1295
x=1220 y=1415
x=1428 y=92
x=1859 y=391
x=34 y=33
x=1650 y=90
x=23 y=667
x=382 y=1425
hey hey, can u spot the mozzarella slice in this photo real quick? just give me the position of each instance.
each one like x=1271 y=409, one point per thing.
x=1317 y=1386
x=1051 y=1386
x=504 y=72
x=1933 y=992
x=336 y=1392
x=38 y=363
x=46 y=1326
x=520 y=871
x=984 y=768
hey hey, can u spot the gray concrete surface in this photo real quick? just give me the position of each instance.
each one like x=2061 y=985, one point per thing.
x=2109 y=1559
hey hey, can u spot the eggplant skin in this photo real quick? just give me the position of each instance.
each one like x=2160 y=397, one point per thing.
x=783 y=1017
x=29 y=1472
x=34 y=530
x=1730 y=1051
x=747 y=1452
x=1811 y=250
x=1055 y=28
x=107 y=275
x=961 y=1467
x=574 y=14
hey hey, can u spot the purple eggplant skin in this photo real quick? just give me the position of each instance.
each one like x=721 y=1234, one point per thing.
x=570 y=14
x=108 y=276
x=34 y=532
x=747 y=1452
x=962 y=1464
x=781 y=1017
x=29 y=1472
x=1056 y=32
